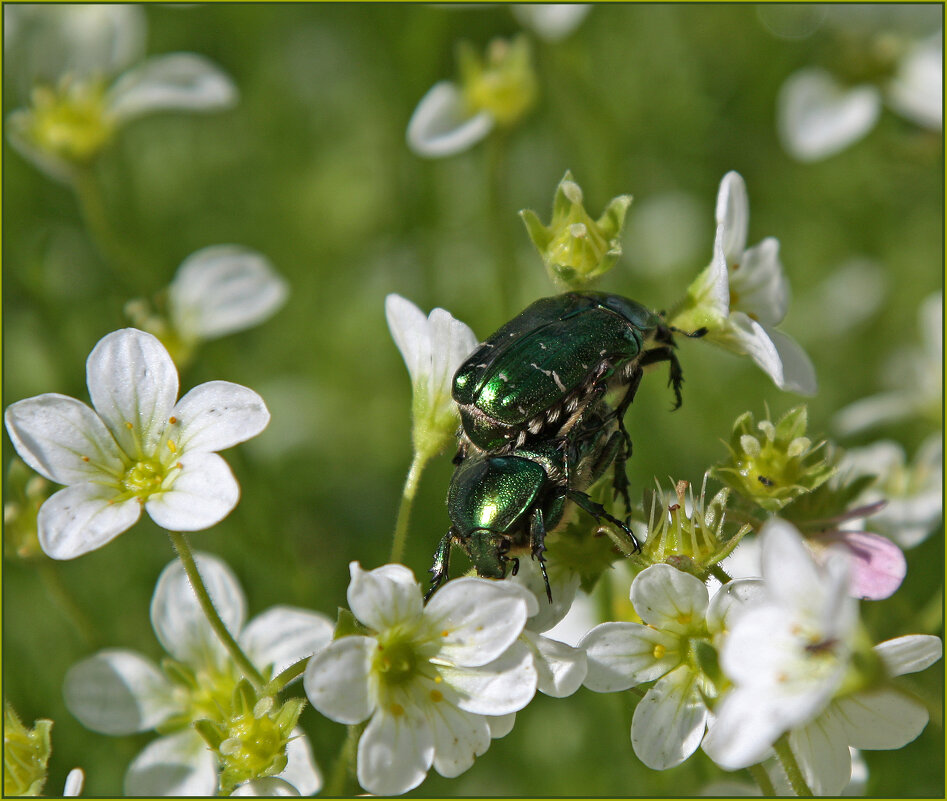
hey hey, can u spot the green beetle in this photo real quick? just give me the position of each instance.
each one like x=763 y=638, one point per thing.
x=539 y=374
x=502 y=505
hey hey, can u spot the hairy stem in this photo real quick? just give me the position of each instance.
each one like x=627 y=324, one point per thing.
x=793 y=772
x=404 y=509
x=761 y=777
x=183 y=549
x=343 y=770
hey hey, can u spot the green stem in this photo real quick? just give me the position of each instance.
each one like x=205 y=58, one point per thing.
x=761 y=777
x=183 y=549
x=793 y=772
x=404 y=509
x=720 y=574
x=344 y=767
x=499 y=216
x=63 y=598
x=277 y=683
x=92 y=206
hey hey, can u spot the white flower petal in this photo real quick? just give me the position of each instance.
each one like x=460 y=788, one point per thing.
x=176 y=615
x=564 y=585
x=477 y=620
x=822 y=752
x=551 y=21
x=759 y=286
x=395 y=752
x=409 y=329
x=621 y=655
x=222 y=289
x=176 y=81
x=74 y=781
x=669 y=599
x=301 y=771
x=383 y=597
x=337 y=679
x=180 y=764
x=282 y=635
x=505 y=685
x=62 y=439
x=909 y=654
x=500 y=725
x=733 y=214
x=817 y=118
x=459 y=737
x=118 y=692
x=268 y=787
x=742 y=731
x=885 y=407
x=669 y=721
x=451 y=342
x=81 y=518
x=881 y=720
x=560 y=668
x=798 y=371
x=917 y=89
x=440 y=125
x=217 y=415
x=202 y=495
x=133 y=385
x=731 y=600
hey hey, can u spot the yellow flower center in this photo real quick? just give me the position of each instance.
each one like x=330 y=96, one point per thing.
x=71 y=122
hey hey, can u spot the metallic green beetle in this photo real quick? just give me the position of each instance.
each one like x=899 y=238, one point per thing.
x=503 y=505
x=538 y=375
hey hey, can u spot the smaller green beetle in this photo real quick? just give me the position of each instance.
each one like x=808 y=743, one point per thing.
x=503 y=505
x=540 y=372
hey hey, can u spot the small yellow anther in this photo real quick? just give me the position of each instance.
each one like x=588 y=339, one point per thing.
x=659 y=651
x=172 y=447
x=437 y=696
x=172 y=420
x=397 y=710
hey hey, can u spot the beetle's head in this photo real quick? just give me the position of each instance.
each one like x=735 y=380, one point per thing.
x=487 y=550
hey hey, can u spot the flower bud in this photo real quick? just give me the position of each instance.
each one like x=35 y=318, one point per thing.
x=772 y=465
x=25 y=754
x=575 y=248
x=502 y=84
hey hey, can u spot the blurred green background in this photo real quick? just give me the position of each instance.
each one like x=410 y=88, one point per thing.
x=311 y=169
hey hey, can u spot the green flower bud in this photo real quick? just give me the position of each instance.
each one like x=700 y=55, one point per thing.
x=685 y=532
x=575 y=248
x=25 y=754
x=251 y=742
x=771 y=465
x=502 y=84
x=27 y=492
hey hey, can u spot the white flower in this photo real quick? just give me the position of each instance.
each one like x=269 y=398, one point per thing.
x=119 y=692
x=551 y=21
x=46 y=40
x=441 y=125
x=916 y=375
x=787 y=654
x=678 y=615
x=69 y=124
x=560 y=666
x=495 y=91
x=222 y=289
x=913 y=493
x=917 y=89
x=137 y=448
x=433 y=348
x=817 y=117
x=427 y=678
x=743 y=294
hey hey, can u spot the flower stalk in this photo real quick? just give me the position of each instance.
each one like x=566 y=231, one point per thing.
x=183 y=549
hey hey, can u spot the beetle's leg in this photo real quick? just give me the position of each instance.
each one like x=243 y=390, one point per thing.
x=537 y=541
x=665 y=353
x=598 y=511
x=441 y=564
